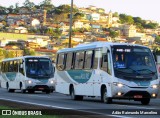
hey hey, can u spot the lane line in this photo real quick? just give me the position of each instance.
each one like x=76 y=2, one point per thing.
x=40 y=96
x=63 y=108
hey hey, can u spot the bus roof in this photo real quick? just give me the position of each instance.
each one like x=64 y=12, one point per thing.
x=94 y=45
x=23 y=57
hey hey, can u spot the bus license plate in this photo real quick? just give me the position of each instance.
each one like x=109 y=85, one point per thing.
x=137 y=96
x=41 y=88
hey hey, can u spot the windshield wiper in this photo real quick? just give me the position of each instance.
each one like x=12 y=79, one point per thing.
x=136 y=71
x=147 y=70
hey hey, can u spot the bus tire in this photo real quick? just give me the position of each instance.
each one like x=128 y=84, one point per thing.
x=73 y=96
x=21 y=88
x=145 y=101
x=48 y=91
x=104 y=97
x=9 y=90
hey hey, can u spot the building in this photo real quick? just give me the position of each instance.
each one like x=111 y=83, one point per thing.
x=78 y=24
x=129 y=30
x=109 y=22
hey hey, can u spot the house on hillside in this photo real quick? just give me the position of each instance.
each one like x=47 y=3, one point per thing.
x=35 y=23
x=13 y=51
x=20 y=30
x=129 y=30
x=24 y=10
x=91 y=7
x=78 y=24
x=100 y=10
x=95 y=26
x=64 y=26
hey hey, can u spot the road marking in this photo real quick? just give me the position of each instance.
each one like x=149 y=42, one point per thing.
x=63 y=108
x=136 y=107
x=40 y=96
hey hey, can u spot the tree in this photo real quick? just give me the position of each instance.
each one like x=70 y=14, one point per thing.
x=47 y=5
x=16 y=10
x=151 y=25
x=157 y=39
x=3 y=10
x=126 y=19
x=28 y=4
x=64 y=9
x=10 y=9
x=115 y=14
x=78 y=15
x=29 y=52
x=113 y=34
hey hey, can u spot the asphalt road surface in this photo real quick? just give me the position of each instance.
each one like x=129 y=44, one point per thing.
x=90 y=105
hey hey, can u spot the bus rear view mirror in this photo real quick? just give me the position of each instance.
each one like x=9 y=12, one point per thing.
x=60 y=67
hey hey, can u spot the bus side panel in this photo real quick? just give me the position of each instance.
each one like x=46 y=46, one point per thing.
x=97 y=86
x=84 y=89
x=3 y=83
x=21 y=78
x=4 y=80
x=62 y=87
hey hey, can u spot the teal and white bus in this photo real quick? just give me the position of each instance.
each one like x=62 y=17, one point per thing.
x=92 y=70
x=28 y=73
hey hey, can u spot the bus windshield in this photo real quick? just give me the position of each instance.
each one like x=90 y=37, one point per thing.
x=131 y=62
x=38 y=68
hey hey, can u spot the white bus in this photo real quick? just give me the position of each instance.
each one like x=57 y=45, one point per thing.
x=91 y=70
x=31 y=73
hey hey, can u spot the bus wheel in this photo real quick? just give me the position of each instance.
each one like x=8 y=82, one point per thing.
x=21 y=88
x=104 y=97
x=48 y=91
x=73 y=96
x=145 y=101
x=8 y=89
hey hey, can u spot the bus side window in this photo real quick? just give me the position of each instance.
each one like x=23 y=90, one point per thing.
x=21 y=68
x=106 y=63
x=15 y=66
x=79 y=60
x=88 y=59
x=69 y=60
x=10 y=66
x=6 y=66
x=61 y=62
x=95 y=62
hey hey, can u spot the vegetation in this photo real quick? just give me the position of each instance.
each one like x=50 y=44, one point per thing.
x=157 y=39
x=141 y=24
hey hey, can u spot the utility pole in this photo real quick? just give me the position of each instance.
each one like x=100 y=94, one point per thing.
x=70 y=29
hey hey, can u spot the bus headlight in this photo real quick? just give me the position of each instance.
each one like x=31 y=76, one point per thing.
x=28 y=81
x=51 y=82
x=155 y=86
x=118 y=84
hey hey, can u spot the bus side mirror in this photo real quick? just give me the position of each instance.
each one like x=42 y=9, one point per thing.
x=60 y=67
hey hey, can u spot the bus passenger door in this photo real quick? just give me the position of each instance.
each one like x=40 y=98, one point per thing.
x=104 y=74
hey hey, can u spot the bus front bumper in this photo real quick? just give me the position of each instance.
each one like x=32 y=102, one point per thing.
x=41 y=88
x=126 y=92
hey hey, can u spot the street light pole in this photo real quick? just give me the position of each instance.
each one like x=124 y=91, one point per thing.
x=70 y=29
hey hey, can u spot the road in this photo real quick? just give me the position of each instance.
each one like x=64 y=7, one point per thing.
x=91 y=105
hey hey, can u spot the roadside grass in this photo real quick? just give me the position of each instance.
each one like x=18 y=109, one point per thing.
x=24 y=116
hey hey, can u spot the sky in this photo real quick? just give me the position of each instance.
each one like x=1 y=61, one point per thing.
x=146 y=9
